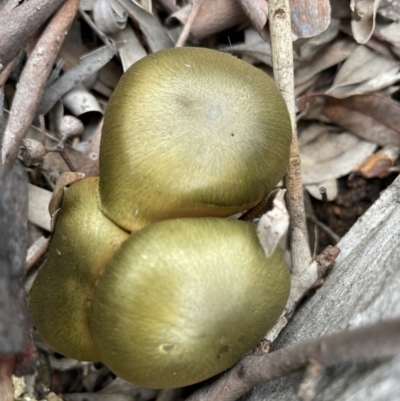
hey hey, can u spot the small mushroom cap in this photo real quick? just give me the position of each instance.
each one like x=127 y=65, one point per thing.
x=83 y=242
x=191 y=132
x=182 y=300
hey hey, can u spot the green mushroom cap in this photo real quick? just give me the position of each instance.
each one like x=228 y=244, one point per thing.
x=83 y=242
x=182 y=300
x=191 y=132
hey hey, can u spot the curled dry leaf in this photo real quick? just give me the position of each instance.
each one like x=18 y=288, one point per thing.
x=361 y=66
x=133 y=50
x=273 y=225
x=156 y=37
x=379 y=164
x=109 y=16
x=309 y=17
x=372 y=117
x=363 y=18
x=80 y=101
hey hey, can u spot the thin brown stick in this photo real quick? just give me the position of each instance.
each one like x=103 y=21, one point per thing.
x=19 y=21
x=377 y=341
x=67 y=160
x=196 y=8
x=282 y=57
x=36 y=251
x=325 y=228
x=33 y=80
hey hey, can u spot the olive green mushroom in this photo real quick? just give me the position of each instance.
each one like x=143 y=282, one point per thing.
x=142 y=272
x=182 y=300
x=83 y=242
x=191 y=132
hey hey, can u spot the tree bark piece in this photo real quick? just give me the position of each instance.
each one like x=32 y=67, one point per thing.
x=17 y=352
x=14 y=321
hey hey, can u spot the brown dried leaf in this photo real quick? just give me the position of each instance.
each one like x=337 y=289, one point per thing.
x=309 y=17
x=215 y=16
x=372 y=117
x=379 y=164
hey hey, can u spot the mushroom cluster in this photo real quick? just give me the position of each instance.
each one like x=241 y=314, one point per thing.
x=143 y=272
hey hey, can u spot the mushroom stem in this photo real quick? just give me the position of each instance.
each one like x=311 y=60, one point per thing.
x=282 y=60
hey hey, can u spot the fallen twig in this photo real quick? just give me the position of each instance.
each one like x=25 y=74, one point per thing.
x=18 y=22
x=282 y=58
x=34 y=79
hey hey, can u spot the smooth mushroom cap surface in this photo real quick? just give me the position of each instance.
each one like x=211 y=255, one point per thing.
x=182 y=300
x=84 y=240
x=191 y=132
